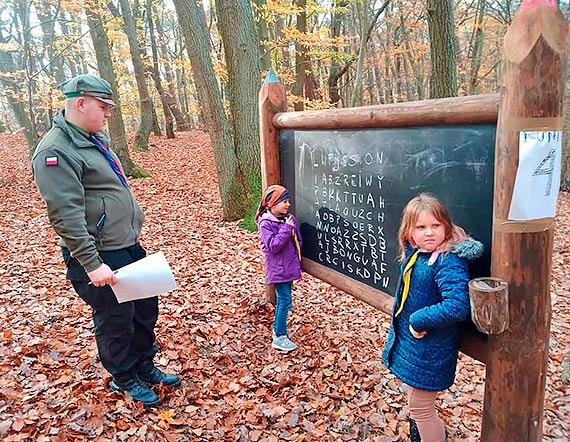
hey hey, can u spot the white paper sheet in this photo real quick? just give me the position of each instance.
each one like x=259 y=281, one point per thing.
x=538 y=175
x=144 y=278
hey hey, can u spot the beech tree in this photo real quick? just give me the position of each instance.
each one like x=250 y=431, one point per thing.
x=241 y=49
x=231 y=180
x=116 y=125
x=443 y=76
x=146 y=107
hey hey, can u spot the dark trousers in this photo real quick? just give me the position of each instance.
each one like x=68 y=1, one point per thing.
x=124 y=332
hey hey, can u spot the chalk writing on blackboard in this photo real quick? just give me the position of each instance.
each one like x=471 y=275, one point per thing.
x=349 y=188
x=348 y=209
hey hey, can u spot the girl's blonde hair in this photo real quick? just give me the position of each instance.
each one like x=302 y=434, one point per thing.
x=428 y=203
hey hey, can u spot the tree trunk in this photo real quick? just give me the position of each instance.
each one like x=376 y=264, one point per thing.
x=28 y=62
x=230 y=183
x=333 y=80
x=63 y=23
x=418 y=73
x=169 y=120
x=261 y=13
x=47 y=17
x=106 y=71
x=337 y=15
x=443 y=77
x=11 y=86
x=279 y=36
x=476 y=48
x=362 y=11
x=146 y=109
x=300 y=51
x=241 y=50
x=388 y=88
x=169 y=92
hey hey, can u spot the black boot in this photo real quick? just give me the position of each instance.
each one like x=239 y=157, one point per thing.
x=414 y=432
x=135 y=389
x=147 y=372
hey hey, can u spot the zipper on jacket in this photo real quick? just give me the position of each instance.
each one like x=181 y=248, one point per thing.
x=101 y=223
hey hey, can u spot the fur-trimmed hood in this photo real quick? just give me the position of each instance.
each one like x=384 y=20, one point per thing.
x=469 y=249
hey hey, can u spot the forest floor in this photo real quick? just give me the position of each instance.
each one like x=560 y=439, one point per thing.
x=215 y=331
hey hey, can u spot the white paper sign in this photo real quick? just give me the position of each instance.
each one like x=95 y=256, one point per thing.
x=144 y=278
x=538 y=175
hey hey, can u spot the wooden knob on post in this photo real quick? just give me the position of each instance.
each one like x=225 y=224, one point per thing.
x=489 y=300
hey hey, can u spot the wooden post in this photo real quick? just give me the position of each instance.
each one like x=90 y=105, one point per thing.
x=272 y=99
x=531 y=100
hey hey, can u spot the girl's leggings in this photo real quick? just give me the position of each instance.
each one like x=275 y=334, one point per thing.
x=422 y=410
x=284 y=301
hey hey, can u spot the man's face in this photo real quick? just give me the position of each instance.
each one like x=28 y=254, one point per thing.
x=94 y=114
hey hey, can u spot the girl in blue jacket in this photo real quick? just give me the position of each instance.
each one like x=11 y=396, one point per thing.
x=281 y=246
x=431 y=298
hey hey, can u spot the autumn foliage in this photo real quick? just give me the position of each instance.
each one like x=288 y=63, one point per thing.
x=215 y=330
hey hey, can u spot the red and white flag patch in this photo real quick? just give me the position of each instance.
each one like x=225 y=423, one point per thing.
x=51 y=161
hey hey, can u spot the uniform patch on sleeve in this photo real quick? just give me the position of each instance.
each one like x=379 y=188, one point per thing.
x=51 y=161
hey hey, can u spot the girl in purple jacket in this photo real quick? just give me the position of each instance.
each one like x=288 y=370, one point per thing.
x=281 y=246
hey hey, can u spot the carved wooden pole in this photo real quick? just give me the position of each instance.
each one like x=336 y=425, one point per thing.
x=272 y=100
x=531 y=106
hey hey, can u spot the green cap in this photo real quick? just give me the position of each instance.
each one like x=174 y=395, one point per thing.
x=88 y=85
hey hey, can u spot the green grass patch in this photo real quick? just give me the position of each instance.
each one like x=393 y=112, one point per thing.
x=248 y=222
x=139 y=172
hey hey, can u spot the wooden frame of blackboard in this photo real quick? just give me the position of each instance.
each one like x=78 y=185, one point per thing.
x=532 y=89
x=448 y=111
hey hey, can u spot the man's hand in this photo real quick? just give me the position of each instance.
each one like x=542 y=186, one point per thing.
x=102 y=276
x=417 y=334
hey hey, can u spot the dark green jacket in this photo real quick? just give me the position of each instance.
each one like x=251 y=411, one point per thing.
x=88 y=206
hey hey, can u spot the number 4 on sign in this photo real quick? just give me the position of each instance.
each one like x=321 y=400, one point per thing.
x=546 y=167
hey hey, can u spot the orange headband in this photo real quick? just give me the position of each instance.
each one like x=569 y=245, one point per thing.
x=274 y=193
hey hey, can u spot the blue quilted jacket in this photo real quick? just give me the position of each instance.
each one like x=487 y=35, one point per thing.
x=437 y=301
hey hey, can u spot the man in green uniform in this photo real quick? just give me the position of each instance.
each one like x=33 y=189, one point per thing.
x=91 y=207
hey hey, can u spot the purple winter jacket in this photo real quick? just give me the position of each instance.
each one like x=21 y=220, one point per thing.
x=281 y=260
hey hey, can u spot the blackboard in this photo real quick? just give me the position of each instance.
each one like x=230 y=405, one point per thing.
x=349 y=188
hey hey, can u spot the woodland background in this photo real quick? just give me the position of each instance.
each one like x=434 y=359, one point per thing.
x=187 y=76
x=215 y=330
x=182 y=64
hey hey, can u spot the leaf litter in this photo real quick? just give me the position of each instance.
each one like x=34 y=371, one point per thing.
x=215 y=330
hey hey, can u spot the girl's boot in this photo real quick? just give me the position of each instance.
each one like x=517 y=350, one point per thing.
x=414 y=432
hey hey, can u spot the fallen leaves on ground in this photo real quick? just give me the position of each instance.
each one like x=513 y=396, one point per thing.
x=215 y=330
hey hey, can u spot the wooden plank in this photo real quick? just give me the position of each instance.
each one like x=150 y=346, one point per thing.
x=472 y=343
x=374 y=297
x=458 y=110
